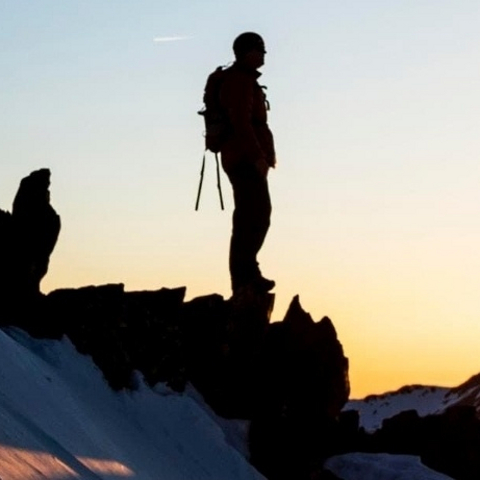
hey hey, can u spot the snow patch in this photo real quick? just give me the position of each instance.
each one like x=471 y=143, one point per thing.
x=374 y=409
x=381 y=466
x=59 y=419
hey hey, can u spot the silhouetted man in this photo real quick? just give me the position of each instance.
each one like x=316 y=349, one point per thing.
x=247 y=154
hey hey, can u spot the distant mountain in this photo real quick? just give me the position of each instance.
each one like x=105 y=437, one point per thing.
x=426 y=400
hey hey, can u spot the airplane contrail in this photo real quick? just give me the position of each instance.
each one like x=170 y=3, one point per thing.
x=171 y=39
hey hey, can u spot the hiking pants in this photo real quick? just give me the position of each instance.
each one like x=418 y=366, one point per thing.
x=251 y=220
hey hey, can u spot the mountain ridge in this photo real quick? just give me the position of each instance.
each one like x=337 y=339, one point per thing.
x=424 y=399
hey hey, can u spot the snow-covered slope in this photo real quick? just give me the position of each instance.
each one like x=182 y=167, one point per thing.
x=425 y=400
x=468 y=393
x=60 y=420
x=375 y=408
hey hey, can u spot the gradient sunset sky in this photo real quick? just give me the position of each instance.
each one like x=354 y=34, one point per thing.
x=375 y=112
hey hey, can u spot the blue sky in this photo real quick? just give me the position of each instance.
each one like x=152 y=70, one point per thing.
x=375 y=107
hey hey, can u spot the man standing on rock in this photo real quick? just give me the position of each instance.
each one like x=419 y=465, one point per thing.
x=247 y=154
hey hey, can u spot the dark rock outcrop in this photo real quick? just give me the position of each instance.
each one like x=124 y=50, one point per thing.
x=302 y=385
x=222 y=339
x=122 y=331
x=447 y=442
x=289 y=378
x=154 y=337
x=27 y=238
x=206 y=331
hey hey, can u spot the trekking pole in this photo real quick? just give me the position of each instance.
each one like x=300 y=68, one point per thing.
x=219 y=186
x=201 y=181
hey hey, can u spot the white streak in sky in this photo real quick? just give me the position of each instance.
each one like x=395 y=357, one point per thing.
x=171 y=39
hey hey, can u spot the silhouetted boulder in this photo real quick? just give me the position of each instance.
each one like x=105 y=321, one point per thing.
x=302 y=385
x=94 y=318
x=350 y=436
x=153 y=336
x=206 y=330
x=222 y=343
x=27 y=238
x=123 y=331
x=447 y=442
x=209 y=341
x=248 y=327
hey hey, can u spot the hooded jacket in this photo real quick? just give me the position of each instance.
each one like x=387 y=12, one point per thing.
x=244 y=103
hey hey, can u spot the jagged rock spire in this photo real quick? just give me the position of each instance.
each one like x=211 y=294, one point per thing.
x=27 y=238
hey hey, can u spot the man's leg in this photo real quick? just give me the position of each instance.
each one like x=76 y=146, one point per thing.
x=251 y=220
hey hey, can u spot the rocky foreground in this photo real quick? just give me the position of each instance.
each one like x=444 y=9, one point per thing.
x=289 y=379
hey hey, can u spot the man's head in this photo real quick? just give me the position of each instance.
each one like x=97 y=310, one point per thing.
x=249 y=49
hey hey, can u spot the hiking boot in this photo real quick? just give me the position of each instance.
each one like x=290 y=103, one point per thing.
x=257 y=285
x=262 y=284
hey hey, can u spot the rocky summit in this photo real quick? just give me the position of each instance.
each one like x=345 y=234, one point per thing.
x=289 y=380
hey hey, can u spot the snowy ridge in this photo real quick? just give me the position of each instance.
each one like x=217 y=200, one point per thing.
x=426 y=400
x=375 y=408
x=60 y=421
x=468 y=393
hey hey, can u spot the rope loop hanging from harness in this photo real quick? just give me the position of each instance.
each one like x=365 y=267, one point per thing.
x=219 y=185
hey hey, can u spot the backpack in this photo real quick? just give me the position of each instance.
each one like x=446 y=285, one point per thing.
x=216 y=126
x=216 y=121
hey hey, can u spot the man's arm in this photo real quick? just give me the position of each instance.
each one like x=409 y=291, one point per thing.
x=237 y=97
